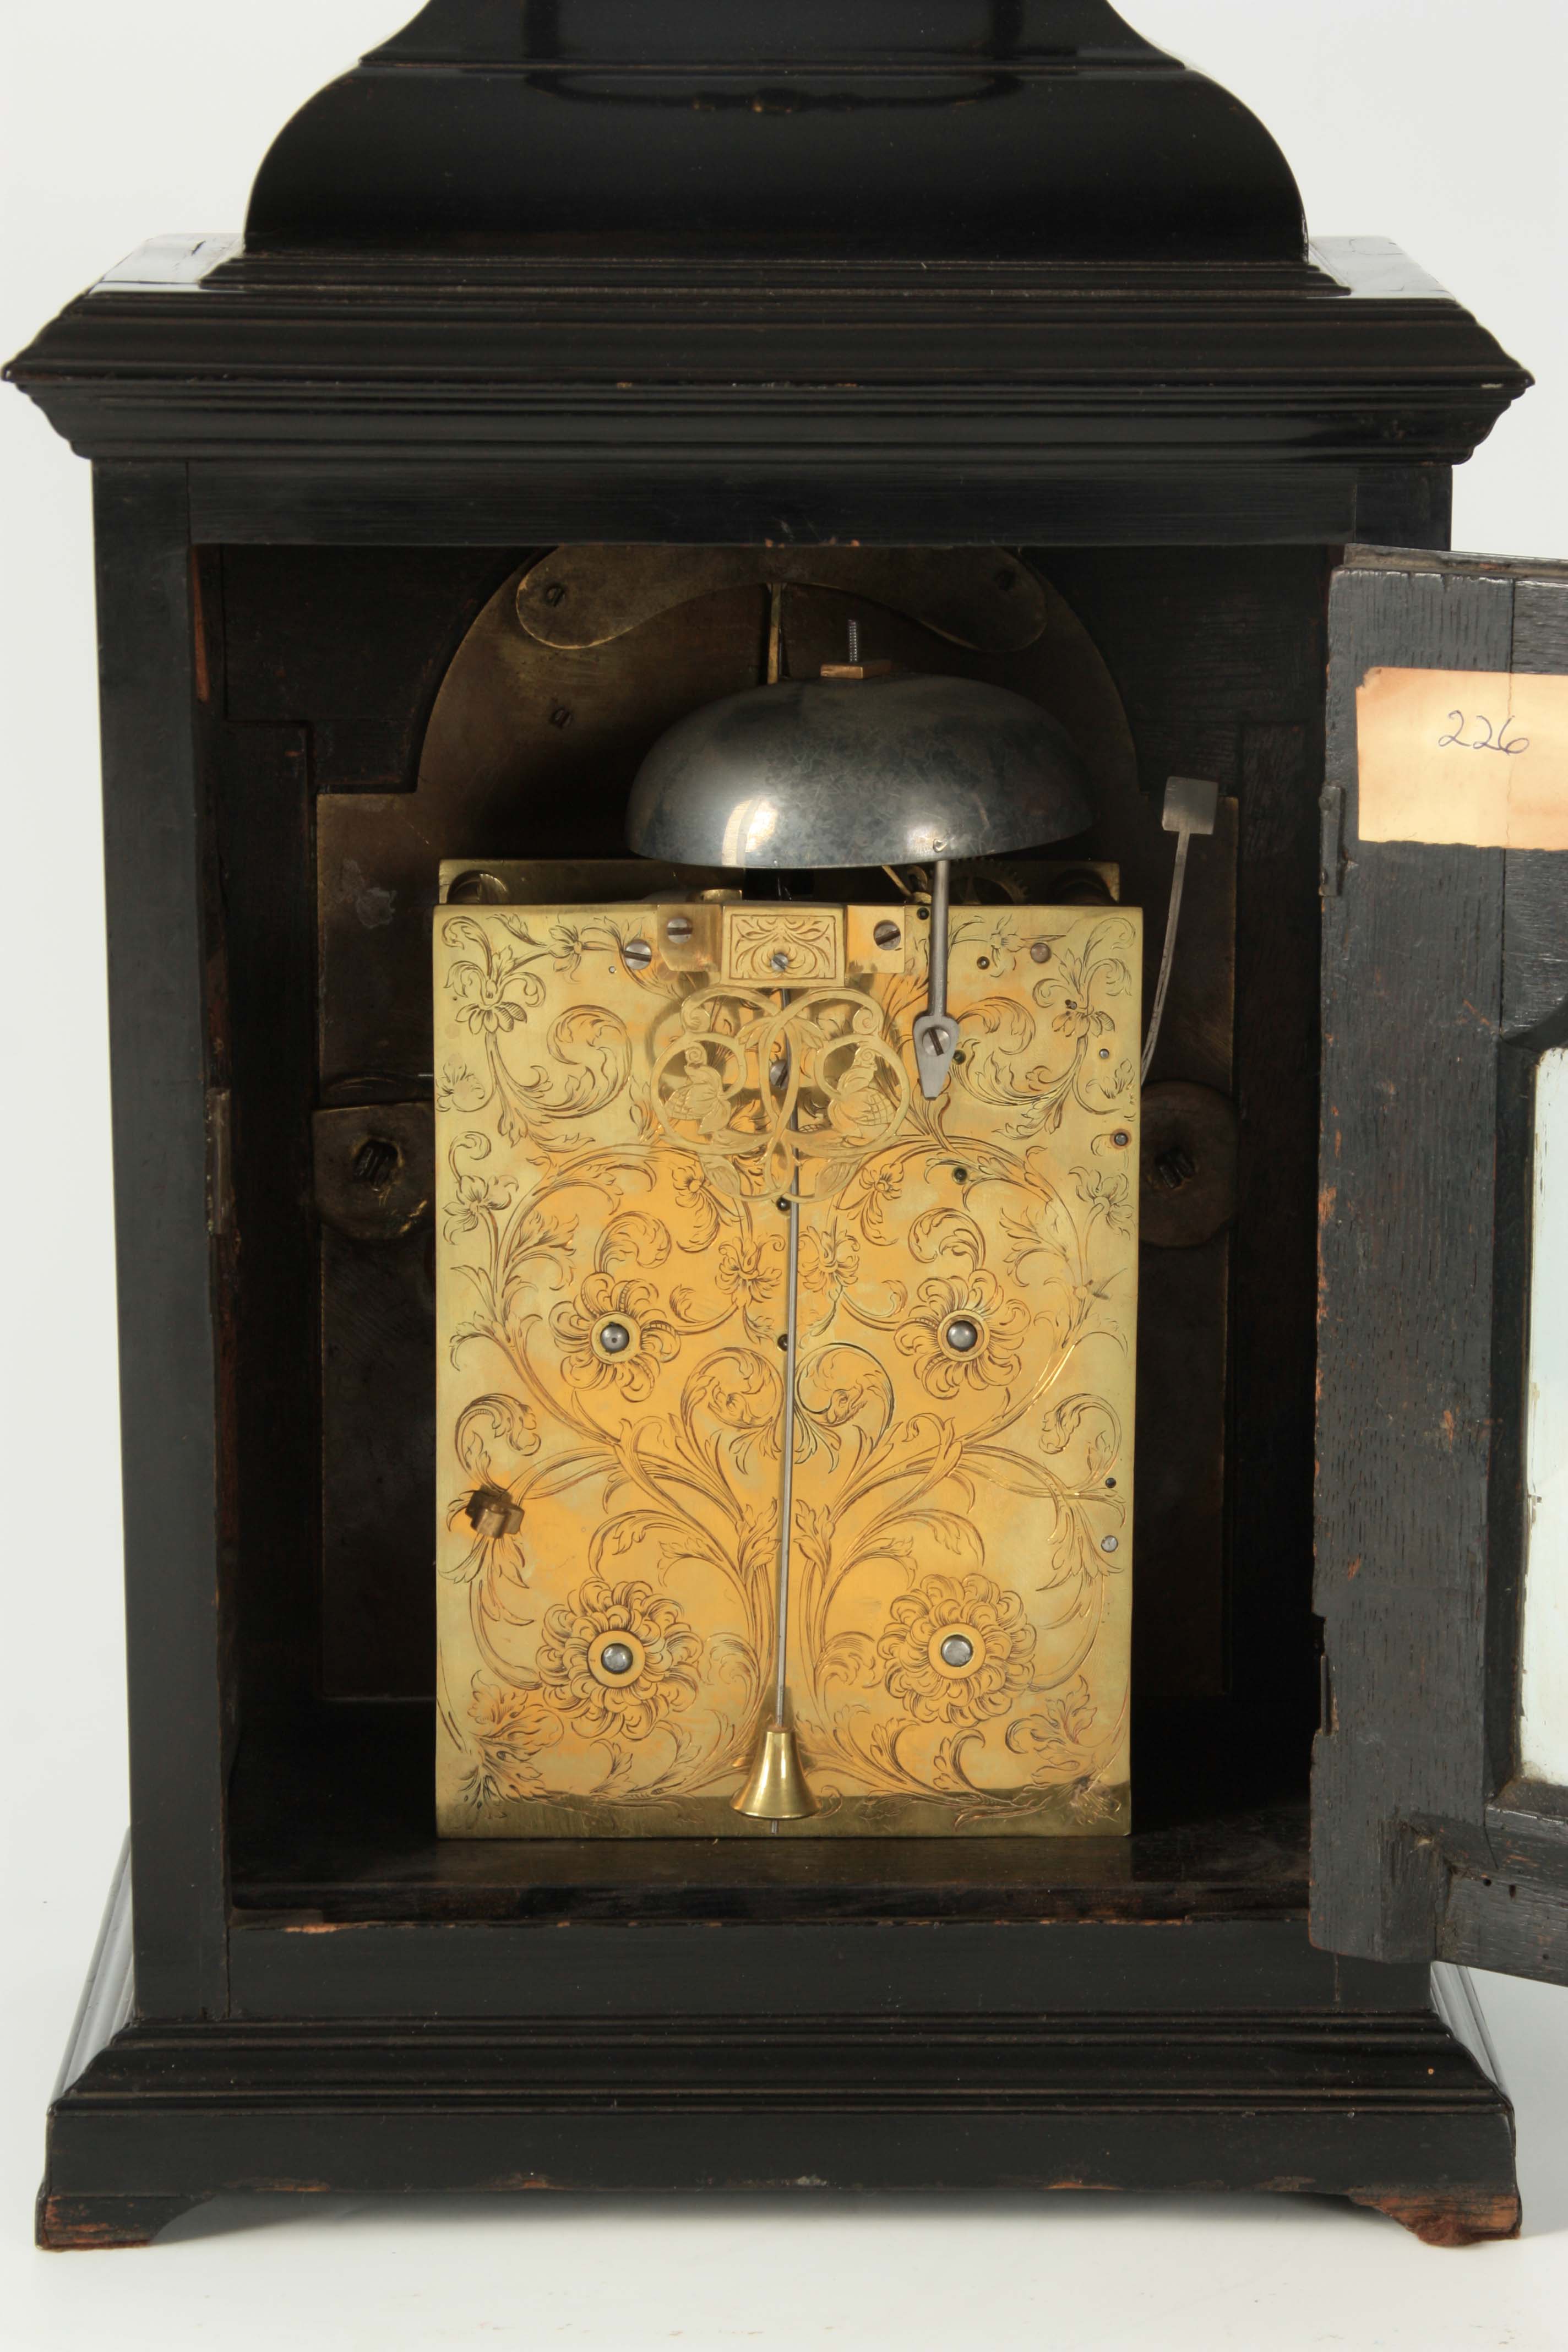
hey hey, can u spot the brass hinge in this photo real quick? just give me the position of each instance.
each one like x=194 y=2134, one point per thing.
x=1332 y=878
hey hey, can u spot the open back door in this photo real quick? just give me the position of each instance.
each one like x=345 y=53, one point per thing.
x=1440 y=1785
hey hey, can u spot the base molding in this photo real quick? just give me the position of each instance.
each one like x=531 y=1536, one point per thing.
x=1388 y=2109
x=1384 y=2092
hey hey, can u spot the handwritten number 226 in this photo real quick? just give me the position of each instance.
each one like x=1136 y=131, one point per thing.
x=1510 y=747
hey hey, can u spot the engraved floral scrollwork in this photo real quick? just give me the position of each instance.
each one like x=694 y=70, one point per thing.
x=992 y=1641
x=591 y=1298
x=1025 y=1241
x=603 y=1306
x=492 y=991
x=765 y=1093
x=508 y=1735
x=628 y=1621
x=963 y=1366
x=497 y=993
x=972 y=1304
x=1087 y=991
x=810 y=945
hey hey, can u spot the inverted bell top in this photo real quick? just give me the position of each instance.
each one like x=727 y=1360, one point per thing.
x=986 y=130
x=847 y=772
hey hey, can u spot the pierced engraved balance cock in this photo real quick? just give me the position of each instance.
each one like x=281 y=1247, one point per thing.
x=786 y=1296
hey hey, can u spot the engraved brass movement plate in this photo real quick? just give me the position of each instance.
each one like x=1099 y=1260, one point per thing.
x=626 y=1099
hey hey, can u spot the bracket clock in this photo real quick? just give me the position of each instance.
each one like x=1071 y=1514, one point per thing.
x=837 y=994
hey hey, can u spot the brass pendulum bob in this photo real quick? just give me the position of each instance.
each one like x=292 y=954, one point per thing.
x=777 y=1788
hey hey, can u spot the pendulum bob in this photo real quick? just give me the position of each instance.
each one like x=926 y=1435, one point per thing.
x=777 y=1788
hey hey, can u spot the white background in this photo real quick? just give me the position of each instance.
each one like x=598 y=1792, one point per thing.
x=1434 y=121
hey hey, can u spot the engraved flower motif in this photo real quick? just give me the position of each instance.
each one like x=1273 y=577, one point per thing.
x=1106 y=1196
x=477 y=1196
x=458 y=1089
x=589 y=1331
x=957 y=1649
x=749 y=1272
x=963 y=1333
x=830 y=1259
x=494 y=997
x=1076 y=1019
x=618 y=1660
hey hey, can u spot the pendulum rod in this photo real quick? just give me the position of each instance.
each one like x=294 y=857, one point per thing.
x=776 y=1789
x=787 y=1488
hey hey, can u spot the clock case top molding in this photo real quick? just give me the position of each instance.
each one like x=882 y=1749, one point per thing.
x=588 y=271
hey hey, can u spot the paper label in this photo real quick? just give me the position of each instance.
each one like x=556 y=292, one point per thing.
x=1479 y=757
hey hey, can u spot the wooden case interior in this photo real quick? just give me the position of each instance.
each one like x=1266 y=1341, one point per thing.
x=320 y=669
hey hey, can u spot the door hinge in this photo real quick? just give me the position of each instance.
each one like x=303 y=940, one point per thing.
x=1331 y=877
x=220 y=1162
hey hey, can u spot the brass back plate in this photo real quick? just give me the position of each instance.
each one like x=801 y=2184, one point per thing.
x=618 y=1116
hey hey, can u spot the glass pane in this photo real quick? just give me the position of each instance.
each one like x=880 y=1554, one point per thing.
x=1544 y=1704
